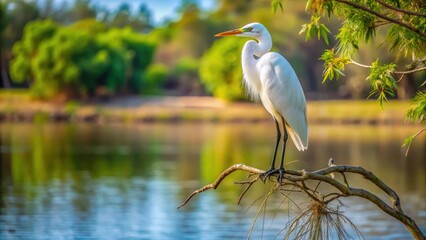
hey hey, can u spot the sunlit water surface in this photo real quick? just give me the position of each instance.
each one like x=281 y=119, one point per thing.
x=66 y=181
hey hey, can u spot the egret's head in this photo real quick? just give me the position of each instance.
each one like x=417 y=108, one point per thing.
x=253 y=30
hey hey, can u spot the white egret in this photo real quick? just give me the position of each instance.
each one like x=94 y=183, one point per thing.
x=269 y=77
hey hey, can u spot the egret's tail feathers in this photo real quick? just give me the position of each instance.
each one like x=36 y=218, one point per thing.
x=301 y=145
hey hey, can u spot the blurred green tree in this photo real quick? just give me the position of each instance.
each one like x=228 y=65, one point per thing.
x=153 y=79
x=220 y=69
x=181 y=44
x=234 y=9
x=15 y=15
x=186 y=75
x=193 y=32
x=140 y=51
x=3 y=24
x=26 y=49
x=77 y=60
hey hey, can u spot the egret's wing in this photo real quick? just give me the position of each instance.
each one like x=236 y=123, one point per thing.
x=284 y=91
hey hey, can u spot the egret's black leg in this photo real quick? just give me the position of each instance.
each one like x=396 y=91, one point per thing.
x=272 y=169
x=276 y=145
x=281 y=169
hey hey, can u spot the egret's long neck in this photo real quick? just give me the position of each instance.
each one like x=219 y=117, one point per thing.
x=251 y=53
x=263 y=46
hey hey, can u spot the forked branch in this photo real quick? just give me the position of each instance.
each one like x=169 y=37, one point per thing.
x=382 y=16
x=297 y=179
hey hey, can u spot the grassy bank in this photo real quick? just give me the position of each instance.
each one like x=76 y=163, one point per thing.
x=358 y=111
x=18 y=106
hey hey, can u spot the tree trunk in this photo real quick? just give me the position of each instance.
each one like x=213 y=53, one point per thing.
x=4 y=73
x=406 y=87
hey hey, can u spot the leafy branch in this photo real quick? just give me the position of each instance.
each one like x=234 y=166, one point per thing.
x=275 y=4
x=410 y=139
x=416 y=113
x=382 y=81
x=382 y=16
x=333 y=66
x=315 y=28
x=380 y=76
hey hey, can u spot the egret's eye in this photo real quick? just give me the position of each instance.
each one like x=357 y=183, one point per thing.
x=248 y=29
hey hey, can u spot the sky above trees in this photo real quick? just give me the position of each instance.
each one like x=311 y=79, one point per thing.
x=162 y=10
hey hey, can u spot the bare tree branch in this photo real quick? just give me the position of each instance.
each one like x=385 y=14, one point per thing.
x=360 y=64
x=400 y=9
x=411 y=71
x=297 y=179
x=222 y=176
x=419 y=69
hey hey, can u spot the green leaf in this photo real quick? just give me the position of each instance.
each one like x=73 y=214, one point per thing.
x=333 y=66
x=275 y=4
x=324 y=31
x=304 y=28
x=408 y=141
x=315 y=28
x=308 y=32
x=418 y=111
x=339 y=72
x=308 y=5
x=382 y=81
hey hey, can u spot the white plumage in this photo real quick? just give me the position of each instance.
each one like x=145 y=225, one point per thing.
x=284 y=96
x=269 y=77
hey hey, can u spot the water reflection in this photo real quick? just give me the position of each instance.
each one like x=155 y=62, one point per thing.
x=119 y=182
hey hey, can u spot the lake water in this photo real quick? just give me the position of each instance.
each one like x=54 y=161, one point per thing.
x=88 y=181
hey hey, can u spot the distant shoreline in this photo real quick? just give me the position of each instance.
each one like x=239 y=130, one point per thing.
x=196 y=109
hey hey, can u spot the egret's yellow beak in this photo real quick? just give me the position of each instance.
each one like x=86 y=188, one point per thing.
x=229 y=33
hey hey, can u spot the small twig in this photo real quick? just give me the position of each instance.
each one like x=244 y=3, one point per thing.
x=316 y=187
x=411 y=71
x=400 y=78
x=288 y=194
x=400 y=9
x=250 y=183
x=278 y=207
x=414 y=136
x=305 y=189
x=381 y=23
x=345 y=180
x=222 y=176
x=336 y=196
x=396 y=72
x=263 y=204
x=257 y=199
x=246 y=181
x=359 y=64
x=290 y=190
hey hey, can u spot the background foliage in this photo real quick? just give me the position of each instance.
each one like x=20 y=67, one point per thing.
x=220 y=69
x=79 y=59
x=124 y=43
